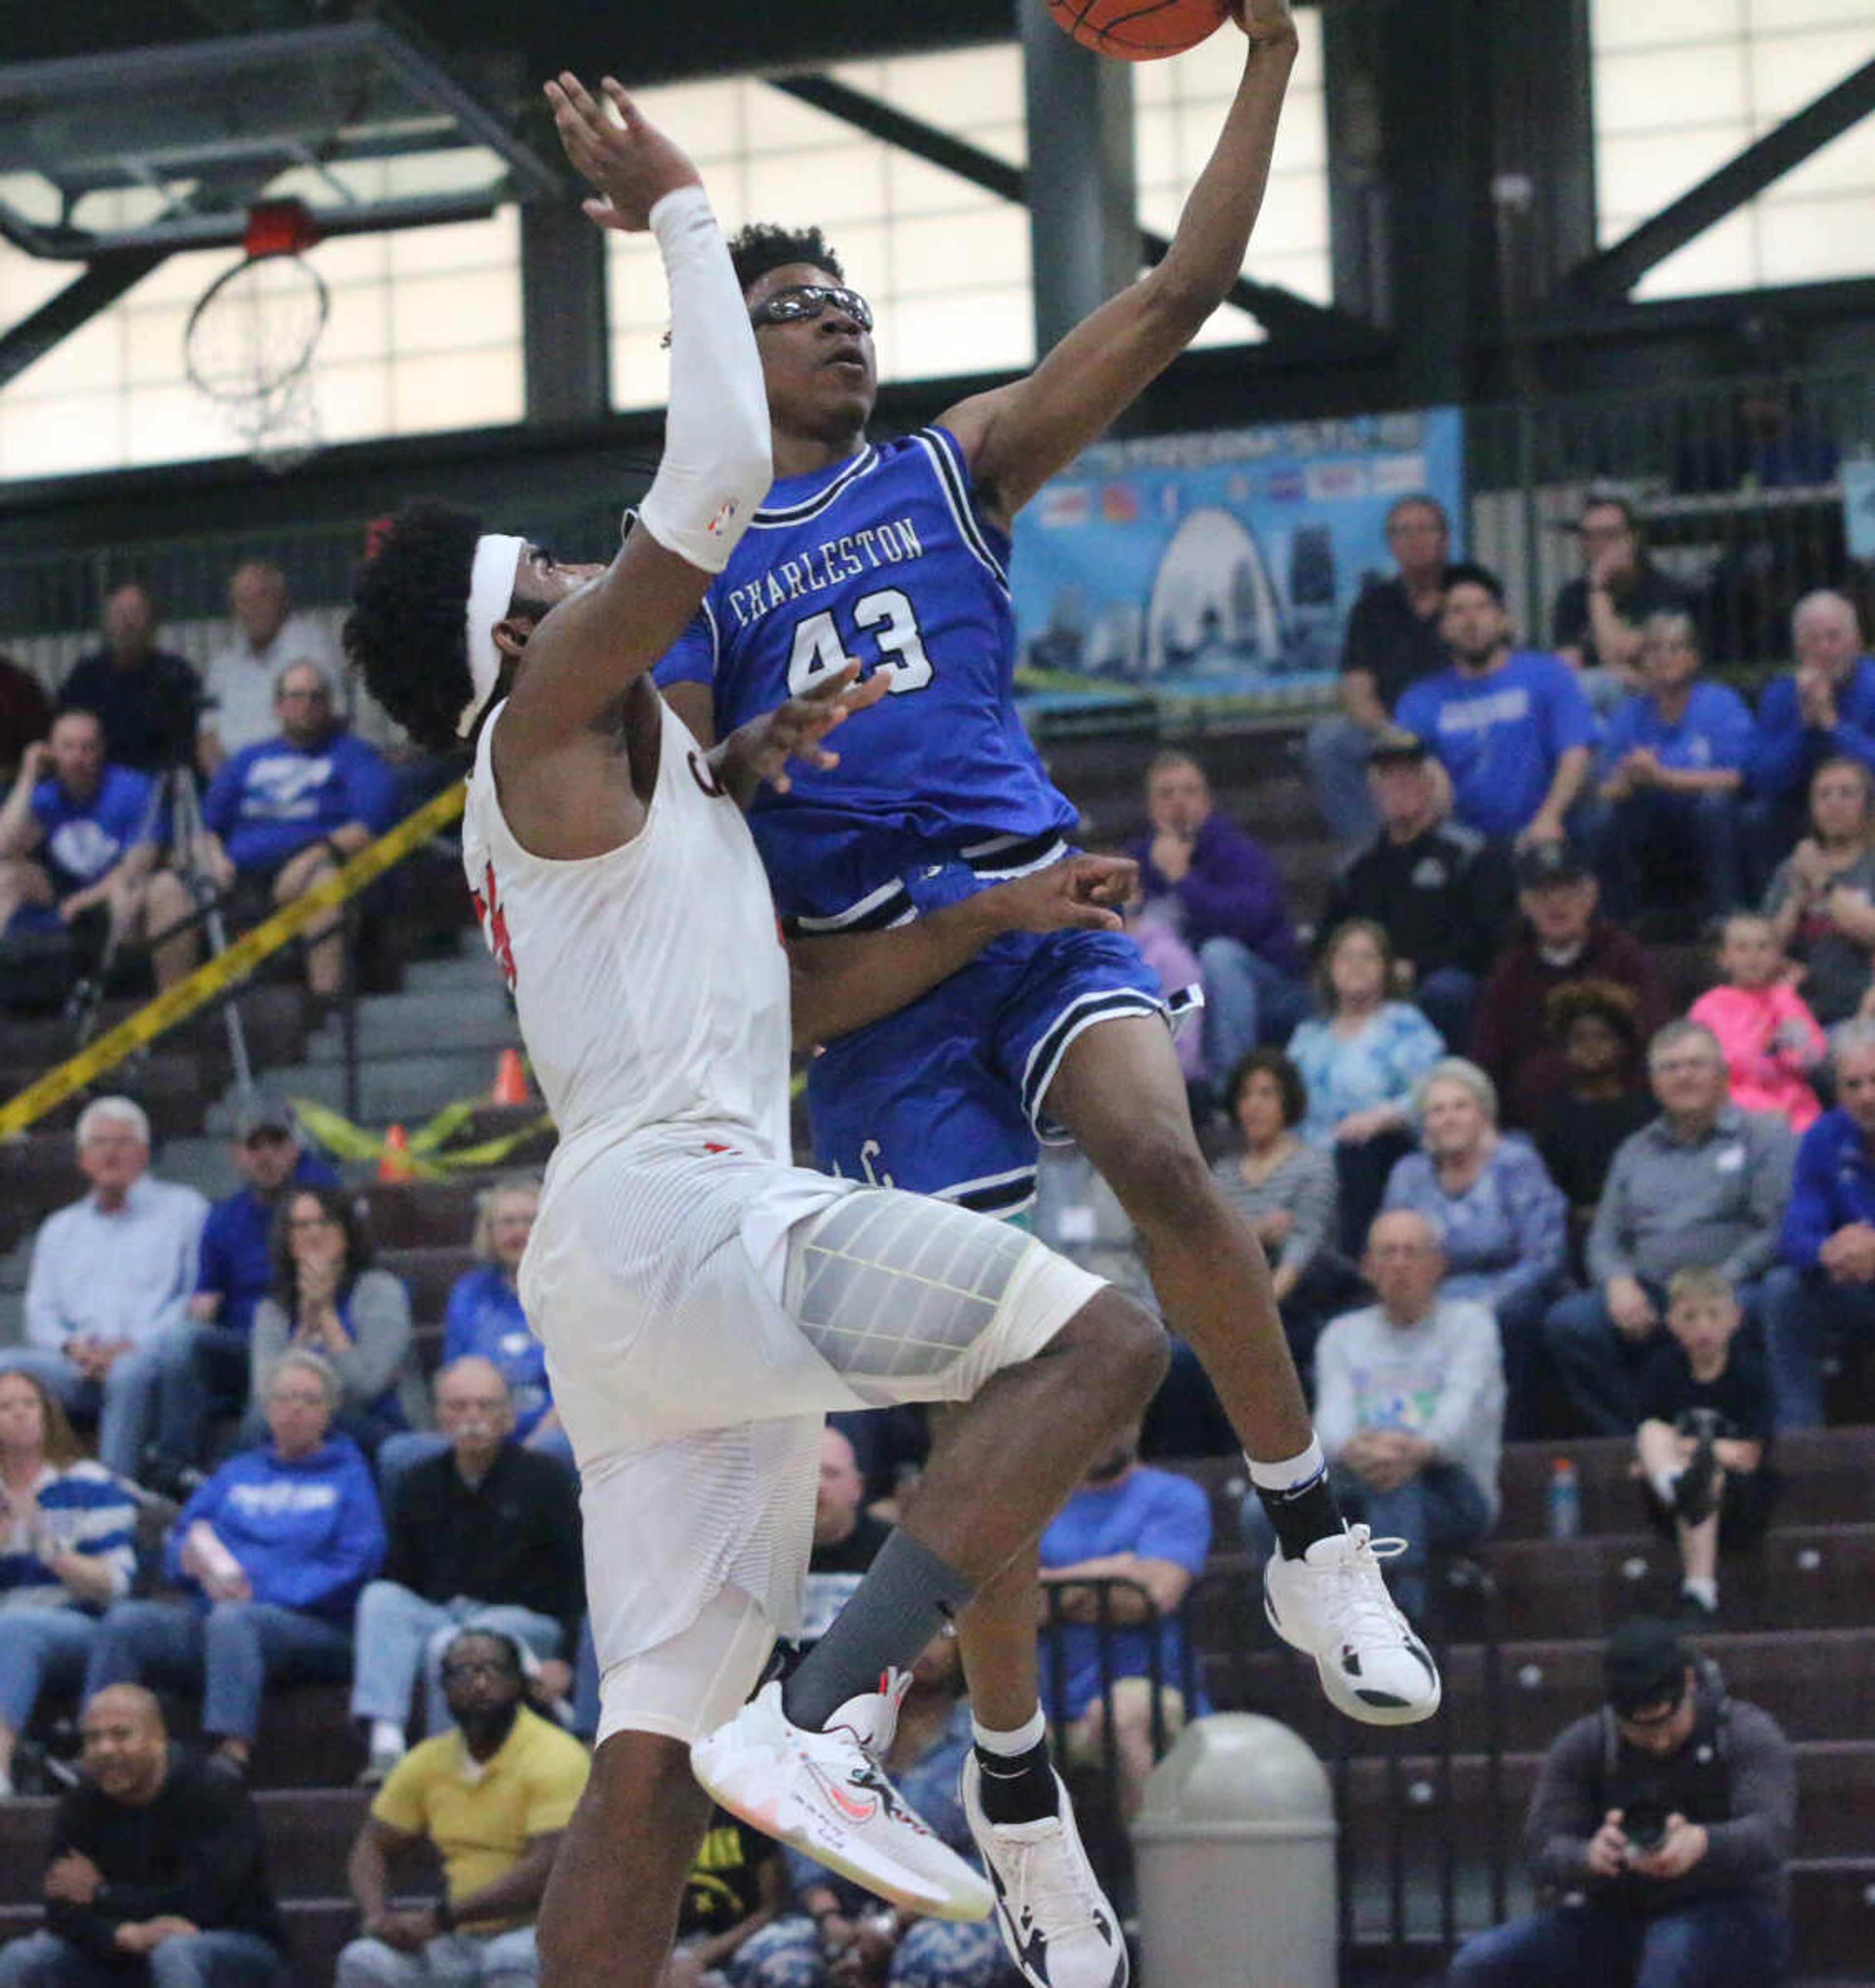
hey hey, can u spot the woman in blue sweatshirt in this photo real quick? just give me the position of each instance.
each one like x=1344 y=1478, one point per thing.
x=271 y=1554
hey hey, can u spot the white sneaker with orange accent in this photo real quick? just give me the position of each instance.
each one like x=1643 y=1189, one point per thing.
x=825 y=1793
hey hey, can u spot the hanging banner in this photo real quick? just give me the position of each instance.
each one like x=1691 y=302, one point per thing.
x=1218 y=569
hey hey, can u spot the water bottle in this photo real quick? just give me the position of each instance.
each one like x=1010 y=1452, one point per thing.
x=1563 y=1503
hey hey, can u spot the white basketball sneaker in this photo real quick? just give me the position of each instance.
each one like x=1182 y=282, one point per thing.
x=825 y=1794
x=1054 y=1919
x=1332 y=1604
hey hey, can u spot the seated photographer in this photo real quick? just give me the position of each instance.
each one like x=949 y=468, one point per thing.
x=1663 y=1822
x=1706 y=1421
x=78 y=834
x=289 y=811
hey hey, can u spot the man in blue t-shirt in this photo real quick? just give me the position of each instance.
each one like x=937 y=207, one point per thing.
x=211 y=1374
x=290 y=810
x=1510 y=726
x=79 y=834
x=1670 y=769
x=1132 y=1523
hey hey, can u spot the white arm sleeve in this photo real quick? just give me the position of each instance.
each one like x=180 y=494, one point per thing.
x=717 y=464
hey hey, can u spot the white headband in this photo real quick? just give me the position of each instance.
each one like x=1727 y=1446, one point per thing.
x=492 y=587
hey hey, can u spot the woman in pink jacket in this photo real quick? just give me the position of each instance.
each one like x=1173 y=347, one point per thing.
x=1771 y=1040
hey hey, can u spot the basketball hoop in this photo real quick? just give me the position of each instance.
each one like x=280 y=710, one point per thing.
x=251 y=339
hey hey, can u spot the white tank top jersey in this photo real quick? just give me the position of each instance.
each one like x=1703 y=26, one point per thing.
x=651 y=982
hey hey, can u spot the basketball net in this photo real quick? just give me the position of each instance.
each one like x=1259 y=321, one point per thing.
x=251 y=339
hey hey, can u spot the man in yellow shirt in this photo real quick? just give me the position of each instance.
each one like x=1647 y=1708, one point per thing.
x=493 y=1796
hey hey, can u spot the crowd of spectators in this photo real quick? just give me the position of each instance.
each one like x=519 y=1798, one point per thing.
x=1504 y=1193
x=92 y=843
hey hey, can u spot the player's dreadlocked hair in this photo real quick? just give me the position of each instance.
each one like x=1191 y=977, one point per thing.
x=762 y=246
x=405 y=630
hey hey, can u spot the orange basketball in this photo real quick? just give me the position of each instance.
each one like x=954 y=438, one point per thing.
x=1138 y=30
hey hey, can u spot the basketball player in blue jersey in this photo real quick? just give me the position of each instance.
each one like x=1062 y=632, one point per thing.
x=893 y=555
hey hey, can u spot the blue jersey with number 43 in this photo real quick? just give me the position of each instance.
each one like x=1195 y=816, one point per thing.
x=884 y=559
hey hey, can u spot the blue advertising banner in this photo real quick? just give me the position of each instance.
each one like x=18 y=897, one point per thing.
x=1216 y=567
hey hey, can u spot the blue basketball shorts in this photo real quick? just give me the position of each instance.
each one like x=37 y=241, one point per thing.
x=945 y=1097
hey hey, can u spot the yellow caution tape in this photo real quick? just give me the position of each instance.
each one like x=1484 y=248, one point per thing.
x=216 y=976
x=342 y=1140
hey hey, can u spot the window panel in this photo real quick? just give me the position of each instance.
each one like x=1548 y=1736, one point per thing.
x=153 y=347
x=1724 y=257
x=58 y=435
x=1808 y=241
x=1848 y=165
x=1769 y=16
x=1814 y=223
x=453 y=312
x=358 y=326
x=453 y=389
x=824 y=187
x=1789 y=71
x=493 y=245
x=1623 y=24
x=1664 y=89
x=168 y=422
x=962 y=332
x=354 y=401
x=939 y=254
x=1631 y=170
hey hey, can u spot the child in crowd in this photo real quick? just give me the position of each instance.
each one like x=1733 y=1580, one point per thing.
x=1597 y=1024
x=1771 y=1040
x=1705 y=1431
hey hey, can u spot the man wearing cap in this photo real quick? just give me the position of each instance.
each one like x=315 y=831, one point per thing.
x=1563 y=938
x=1664 y=1821
x=1442 y=893
x=288 y=811
x=1392 y=641
x=210 y=1373
x=1510 y=726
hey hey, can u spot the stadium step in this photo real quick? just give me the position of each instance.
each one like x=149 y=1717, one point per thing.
x=1825 y=1477
x=1452 y=1800
x=1800 y=1578
x=414 y=1024
x=1818 y=1687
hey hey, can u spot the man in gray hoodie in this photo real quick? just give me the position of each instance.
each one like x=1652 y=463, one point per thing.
x=1662 y=1823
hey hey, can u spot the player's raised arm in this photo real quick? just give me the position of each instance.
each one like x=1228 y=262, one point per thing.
x=449 y=618
x=1018 y=436
x=716 y=463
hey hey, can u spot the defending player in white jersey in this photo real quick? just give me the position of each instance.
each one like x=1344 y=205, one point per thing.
x=703 y=1303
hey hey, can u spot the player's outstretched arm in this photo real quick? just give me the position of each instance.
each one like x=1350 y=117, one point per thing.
x=716 y=465
x=842 y=982
x=1019 y=435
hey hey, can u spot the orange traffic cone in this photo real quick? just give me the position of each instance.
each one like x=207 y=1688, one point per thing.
x=510 y=1079
x=396 y=1163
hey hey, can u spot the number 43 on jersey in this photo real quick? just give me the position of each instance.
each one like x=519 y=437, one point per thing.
x=886 y=615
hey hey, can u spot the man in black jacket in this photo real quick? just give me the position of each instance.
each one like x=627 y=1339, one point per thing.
x=487 y=1534
x=156 y=1873
x=1664 y=1821
x=1443 y=892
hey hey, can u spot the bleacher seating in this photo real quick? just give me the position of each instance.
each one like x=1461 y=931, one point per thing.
x=1522 y=1655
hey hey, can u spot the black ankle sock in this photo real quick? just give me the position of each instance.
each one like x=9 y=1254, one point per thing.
x=1018 y=1787
x=1303 y=1515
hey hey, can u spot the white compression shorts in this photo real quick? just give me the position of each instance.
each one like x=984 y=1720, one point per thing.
x=701 y=1314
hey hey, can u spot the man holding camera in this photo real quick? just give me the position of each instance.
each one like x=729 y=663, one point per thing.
x=1662 y=1822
